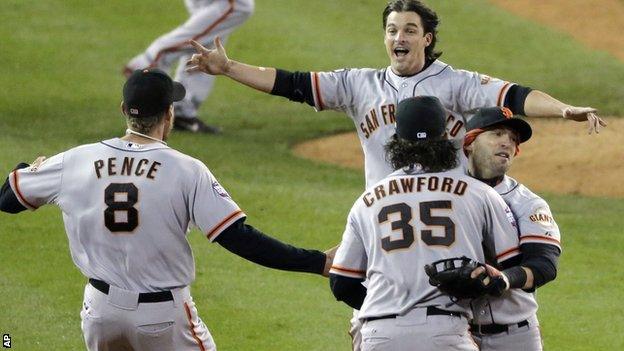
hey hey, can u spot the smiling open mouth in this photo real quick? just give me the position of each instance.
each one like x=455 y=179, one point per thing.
x=502 y=154
x=400 y=51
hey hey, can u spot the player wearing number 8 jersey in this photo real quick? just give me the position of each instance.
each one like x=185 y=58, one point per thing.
x=127 y=203
x=427 y=210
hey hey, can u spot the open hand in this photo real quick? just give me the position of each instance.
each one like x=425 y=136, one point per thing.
x=211 y=61
x=588 y=114
x=329 y=260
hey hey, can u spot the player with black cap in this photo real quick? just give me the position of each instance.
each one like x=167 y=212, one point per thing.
x=509 y=322
x=427 y=210
x=127 y=205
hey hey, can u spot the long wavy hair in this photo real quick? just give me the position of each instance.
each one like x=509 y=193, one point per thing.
x=432 y=155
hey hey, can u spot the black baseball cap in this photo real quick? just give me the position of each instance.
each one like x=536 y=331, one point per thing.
x=419 y=118
x=150 y=91
x=499 y=116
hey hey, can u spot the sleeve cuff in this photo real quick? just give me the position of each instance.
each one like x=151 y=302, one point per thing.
x=14 y=183
x=347 y=272
x=507 y=254
x=217 y=229
x=540 y=239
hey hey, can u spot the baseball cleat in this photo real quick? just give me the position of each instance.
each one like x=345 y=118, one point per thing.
x=194 y=125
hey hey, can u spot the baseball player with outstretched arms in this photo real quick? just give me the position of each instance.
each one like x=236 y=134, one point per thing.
x=127 y=204
x=509 y=322
x=427 y=210
x=208 y=19
x=370 y=96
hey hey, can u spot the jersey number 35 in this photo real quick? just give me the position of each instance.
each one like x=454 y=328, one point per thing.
x=403 y=224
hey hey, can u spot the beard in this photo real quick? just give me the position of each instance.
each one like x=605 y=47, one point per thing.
x=487 y=167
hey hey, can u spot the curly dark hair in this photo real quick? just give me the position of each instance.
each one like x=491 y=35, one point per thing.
x=428 y=17
x=432 y=155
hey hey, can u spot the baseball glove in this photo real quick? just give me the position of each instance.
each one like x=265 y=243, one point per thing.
x=452 y=277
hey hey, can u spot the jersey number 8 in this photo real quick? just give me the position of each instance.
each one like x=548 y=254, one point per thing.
x=405 y=212
x=121 y=198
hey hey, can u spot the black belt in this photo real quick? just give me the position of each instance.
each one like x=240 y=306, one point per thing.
x=495 y=328
x=431 y=311
x=160 y=296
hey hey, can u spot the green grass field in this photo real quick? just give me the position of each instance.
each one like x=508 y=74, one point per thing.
x=60 y=64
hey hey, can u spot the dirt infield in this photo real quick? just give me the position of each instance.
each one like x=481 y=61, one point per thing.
x=560 y=158
x=595 y=23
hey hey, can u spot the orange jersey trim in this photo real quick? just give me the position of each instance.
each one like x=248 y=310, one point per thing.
x=317 y=91
x=501 y=94
x=510 y=251
x=347 y=270
x=216 y=228
x=192 y=327
x=539 y=237
x=206 y=31
x=18 y=191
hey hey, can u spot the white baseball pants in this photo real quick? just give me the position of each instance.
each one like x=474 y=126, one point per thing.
x=118 y=322
x=526 y=338
x=416 y=331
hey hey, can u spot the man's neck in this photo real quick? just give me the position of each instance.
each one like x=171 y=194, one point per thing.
x=494 y=181
x=141 y=138
x=421 y=68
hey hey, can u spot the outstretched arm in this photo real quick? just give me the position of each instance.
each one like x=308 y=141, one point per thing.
x=540 y=104
x=253 y=245
x=296 y=86
x=215 y=62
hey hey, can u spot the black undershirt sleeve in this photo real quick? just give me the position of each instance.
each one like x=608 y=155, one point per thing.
x=255 y=246
x=515 y=98
x=541 y=259
x=296 y=86
x=348 y=290
x=8 y=200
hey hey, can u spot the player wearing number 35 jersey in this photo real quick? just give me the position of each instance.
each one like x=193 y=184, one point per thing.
x=127 y=204
x=427 y=210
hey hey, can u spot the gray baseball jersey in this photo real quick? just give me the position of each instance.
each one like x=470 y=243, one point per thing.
x=127 y=208
x=535 y=225
x=410 y=219
x=370 y=96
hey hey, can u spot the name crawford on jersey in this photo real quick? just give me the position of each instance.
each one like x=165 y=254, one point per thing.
x=415 y=184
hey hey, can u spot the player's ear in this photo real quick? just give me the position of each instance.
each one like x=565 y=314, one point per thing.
x=169 y=115
x=124 y=110
x=468 y=148
x=428 y=38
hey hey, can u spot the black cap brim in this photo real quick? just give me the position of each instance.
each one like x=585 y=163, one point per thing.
x=522 y=127
x=178 y=91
